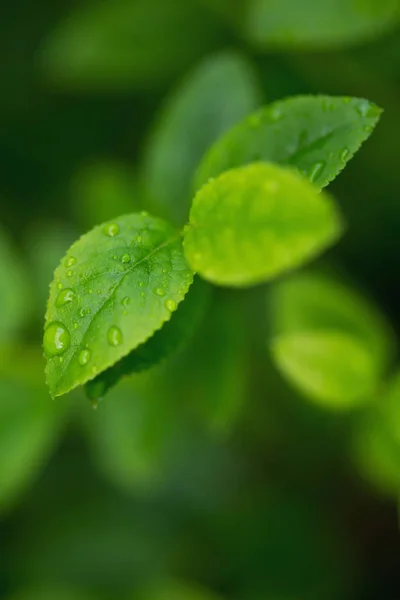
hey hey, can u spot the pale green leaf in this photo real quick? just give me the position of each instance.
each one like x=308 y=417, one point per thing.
x=157 y=348
x=312 y=24
x=315 y=300
x=317 y=135
x=252 y=223
x=116 y=286
x=15 y=290
x=329 y=366
x=127 y=44
x=215 y=96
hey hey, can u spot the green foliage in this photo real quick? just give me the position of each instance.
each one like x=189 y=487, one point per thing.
x=312 y=24
x=14 y=291
x=29 y=426
x=175 y=591
x=215 y=96
x=316 y=134
x=252 y=223
x=117 y=285
x=328 y=340
x=126 y=44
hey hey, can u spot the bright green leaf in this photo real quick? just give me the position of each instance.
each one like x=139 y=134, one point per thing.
x=117 y=285
x=316 y=134
x=14 y=291
x=347 y=343
x=215 y=96
x=255 y=222
x=329 y=366
x=312 y=24
x=166 y=340
x=125 y=44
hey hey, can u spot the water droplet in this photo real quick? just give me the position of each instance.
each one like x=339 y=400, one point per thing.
x=141 y=284
x=316 y=171
x=71 y=261
x=114 y=336
x=82 y=312
x=111 y=229
x=115 y=257
x=90 y=291
x=366 y=109
x=65 y=297
x=76 y=325
x=98 y=292
x=59 y=285
x=368 y=129
x=170 y=305
x=69 y=273
x=144 y=213
x=84 y=357
x=125 y=258
x=345 y=153
x=159 y=292
x=142 y=294
x=56 y=339
x=139 y=239
x=125 y=301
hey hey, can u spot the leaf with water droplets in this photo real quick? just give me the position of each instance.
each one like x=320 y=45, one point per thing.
x=218 y=93
x=328 y=339
x=252 y=223
x=102 y=305
x=312 y=24
x=317 y=135
x=185 y=318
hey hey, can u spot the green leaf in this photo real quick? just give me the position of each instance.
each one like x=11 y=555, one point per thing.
x=53 y=593
x=255 y=222
x=329 y=366
x=14 y=291
x=316 y=134
x=175 y=591
x=312 y=24
x=29 y=426
x=128 y=44
x=329 y=340
x=117 y=285
x=218 y=93
x=173 y=334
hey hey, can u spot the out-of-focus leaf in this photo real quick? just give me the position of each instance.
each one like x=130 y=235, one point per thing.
x=157 y=348
x=117 y=285
x=15 y=291
x=331 y=367
x=316 y=134
x=102 y=191
x=215 y=96
x=252 y=223
x=53 y=593
x=29 y=426
x=312 y=24
x=330 y=341
x=124 y=44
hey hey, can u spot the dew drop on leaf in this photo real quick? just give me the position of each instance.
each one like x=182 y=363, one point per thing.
x=111 y=229
x=84 y=357
x=345 y=154
x=170 y=305
x=56 y=339
x=71 y=261
x=114 y=336
x=69 y=273
x=125 y=258
x=159 y=292
x=139 y=239
x=316 y=171
x=125 y=301
x=65 y=297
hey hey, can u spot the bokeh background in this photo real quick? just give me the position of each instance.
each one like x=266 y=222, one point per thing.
x=211 y=476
